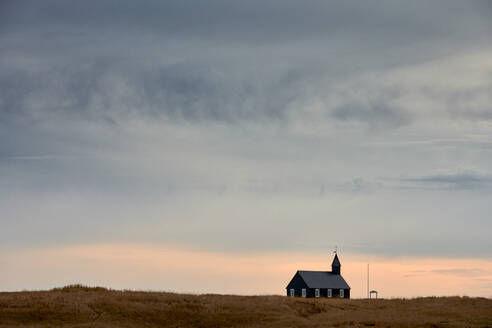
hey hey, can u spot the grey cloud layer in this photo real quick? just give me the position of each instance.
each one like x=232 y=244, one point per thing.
x=233 y=91
x=232 y=60
x=166 y=121
x=257 y=20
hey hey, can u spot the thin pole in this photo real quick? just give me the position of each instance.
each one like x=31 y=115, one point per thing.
x=368 y=296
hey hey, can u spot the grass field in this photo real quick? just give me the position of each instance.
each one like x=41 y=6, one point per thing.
x=78 y=306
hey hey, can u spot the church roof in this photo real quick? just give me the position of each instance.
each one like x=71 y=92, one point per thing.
x=323 y=279
x=336 y=261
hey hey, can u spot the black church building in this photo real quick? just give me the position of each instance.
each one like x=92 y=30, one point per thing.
x=320 y=283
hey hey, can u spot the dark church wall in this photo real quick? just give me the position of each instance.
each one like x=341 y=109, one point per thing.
x=335 y=292
x=311 y=292
x=297 y=283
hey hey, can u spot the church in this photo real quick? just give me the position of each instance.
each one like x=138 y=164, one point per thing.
x=320 y=283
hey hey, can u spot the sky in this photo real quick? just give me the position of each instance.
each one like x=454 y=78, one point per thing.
x=144 y=144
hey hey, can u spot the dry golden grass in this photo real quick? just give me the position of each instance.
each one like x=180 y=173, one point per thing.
x=79 y=306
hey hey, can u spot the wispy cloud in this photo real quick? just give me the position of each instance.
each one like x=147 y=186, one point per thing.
x=473 y=272
x=457 y=272
x=464 y=180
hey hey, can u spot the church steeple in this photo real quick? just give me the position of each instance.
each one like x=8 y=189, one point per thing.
x=335 y=265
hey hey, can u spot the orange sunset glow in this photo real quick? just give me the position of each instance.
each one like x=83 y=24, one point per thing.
x=154 y=267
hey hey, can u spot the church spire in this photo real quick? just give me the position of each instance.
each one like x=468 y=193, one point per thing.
x=335 y=265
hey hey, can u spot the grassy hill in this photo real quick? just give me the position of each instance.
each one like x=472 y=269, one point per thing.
x=79 y=306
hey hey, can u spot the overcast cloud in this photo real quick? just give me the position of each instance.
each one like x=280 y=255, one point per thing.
x=248 y=125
